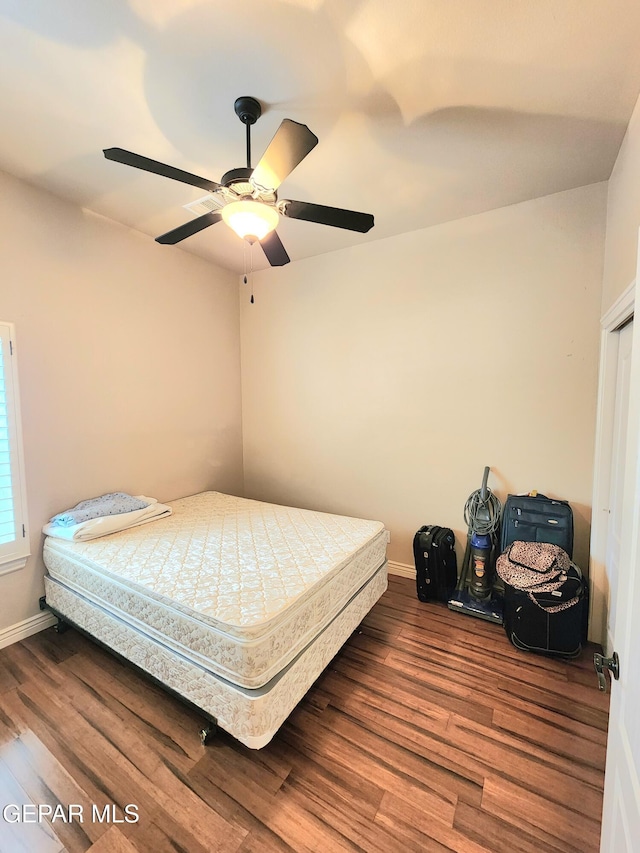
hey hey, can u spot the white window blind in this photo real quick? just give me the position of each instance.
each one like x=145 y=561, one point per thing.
x=14 y=539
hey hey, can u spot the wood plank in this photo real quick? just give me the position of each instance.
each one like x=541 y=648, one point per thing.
x=541 y=771
x=413 y=678
x=417 y=832
x=21 y=662
x=332 y=802
x=561 y=740
x=389 y=693
x=113 y=841
x=447 y=772
x=299 y=828
x=141 y=707
x=9 y=728
x=391 y=768
x=238 y=783
x=550 y=821
x=498 y=835
x=583 y=708
x=246 y=790
x=263 y=840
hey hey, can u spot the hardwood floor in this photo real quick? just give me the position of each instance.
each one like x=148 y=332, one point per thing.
x=428 y=732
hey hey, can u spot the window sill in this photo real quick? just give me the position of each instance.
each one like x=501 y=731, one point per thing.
x=14 y=565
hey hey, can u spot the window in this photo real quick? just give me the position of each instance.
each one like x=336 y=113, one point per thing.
x=14 y=536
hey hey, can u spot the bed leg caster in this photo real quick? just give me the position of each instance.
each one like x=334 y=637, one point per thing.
x=61 y=626
x=208 y=732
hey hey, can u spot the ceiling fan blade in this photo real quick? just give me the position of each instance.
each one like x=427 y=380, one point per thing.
x=274 y=250
x=290 y=145
x=335 y=216
x=189 y=228
x=128 y=158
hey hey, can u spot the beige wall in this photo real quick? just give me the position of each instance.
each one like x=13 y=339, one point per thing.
x=623 y=216
x=380 y=380
x=129 y=364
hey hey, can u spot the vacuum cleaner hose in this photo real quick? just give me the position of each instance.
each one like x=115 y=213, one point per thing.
x=482 y=515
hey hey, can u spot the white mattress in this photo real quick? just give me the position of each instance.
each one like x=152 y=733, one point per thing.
x=239 y=587
x=251 y=716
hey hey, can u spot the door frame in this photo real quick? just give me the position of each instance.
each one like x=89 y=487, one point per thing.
x=617 y=316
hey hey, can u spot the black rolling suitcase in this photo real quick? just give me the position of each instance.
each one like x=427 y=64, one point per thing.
x=436 y=563
x=545 y=599
x=537 y=518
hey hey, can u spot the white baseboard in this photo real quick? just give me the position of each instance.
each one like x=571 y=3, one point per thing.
x=24 y=629
x=401 y=569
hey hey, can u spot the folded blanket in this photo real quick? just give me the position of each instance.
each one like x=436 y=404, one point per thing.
x=114 y=503
x=96 y=527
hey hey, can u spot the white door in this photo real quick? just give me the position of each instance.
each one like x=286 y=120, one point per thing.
x=621 y=813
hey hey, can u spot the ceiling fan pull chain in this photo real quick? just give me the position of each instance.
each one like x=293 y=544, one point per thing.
x=251 y=270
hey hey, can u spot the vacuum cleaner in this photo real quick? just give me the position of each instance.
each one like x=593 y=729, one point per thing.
x=474 y=594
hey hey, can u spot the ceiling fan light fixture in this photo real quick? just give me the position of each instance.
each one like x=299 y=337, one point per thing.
x=250 y=218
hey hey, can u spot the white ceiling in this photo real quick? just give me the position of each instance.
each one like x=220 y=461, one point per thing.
x=426 y=110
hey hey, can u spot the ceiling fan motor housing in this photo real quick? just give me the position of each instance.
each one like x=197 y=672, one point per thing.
x=233 y=176
x=237 y=180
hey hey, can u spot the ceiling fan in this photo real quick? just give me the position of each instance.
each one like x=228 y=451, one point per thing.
x=247 y=198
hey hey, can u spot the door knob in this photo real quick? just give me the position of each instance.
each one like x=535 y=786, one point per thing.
x=600 y=663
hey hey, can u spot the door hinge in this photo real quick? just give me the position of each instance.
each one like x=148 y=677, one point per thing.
x=10 y=347
x=24 y=532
